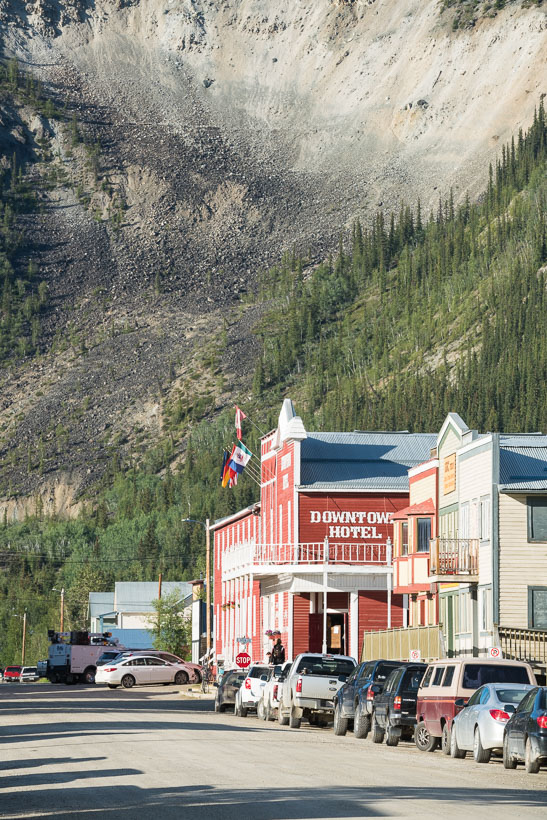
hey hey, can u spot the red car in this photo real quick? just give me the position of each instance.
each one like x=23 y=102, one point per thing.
x=13 y=673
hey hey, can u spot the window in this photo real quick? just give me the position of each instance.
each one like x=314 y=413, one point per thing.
x=155 y=662
x=464 y=520
x=438 y=676
x=527 y=703
x=477 y=674
x=537 y=607
x=484 y=610
x=537 y=519
x=424 y=534
x=449 y=677
x=475 y=697
x=463 y=611
x=427 y=676
x=513 y=696
x=485 y=518
x=485 y=695
x=404 y=538
x=383 y=670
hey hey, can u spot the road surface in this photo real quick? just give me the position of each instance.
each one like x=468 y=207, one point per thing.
x=90 y=752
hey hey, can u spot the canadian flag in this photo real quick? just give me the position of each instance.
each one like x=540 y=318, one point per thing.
x=240 y=415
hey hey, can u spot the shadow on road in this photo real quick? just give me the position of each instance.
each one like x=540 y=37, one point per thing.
x=207 y=802
x=34 y=763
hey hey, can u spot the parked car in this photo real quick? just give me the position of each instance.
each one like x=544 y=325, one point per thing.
x=227 y=689
x=374 y=672
x=525 y=736
x=394 y=711
x=192 y=671
x=29 y=674
x=309 y=687
x=447 y=686
x=268 y=704
x=140 y=670
x=12 y=674
x=249 y=693
x=480 y=726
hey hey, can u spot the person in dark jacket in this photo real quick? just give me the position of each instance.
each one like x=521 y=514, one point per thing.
x=278 y=653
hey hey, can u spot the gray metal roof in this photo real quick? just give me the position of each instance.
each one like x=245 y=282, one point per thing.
x=362 y=460
x=137 y=596
x=523 y=463
x=100 y=603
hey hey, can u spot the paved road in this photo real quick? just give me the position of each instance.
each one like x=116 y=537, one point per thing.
x=146 y=753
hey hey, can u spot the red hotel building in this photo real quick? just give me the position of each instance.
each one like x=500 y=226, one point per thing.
x=312 y=558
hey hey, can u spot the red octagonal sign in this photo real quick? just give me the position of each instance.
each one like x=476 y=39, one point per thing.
x=243 y=660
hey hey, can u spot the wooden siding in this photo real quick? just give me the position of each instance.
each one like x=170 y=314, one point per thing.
x=373 y=610
x=521 y=563
x=475 y=477
x=301 y=623
x=422 y=489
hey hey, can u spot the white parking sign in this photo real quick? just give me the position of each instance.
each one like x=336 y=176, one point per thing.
x=495 y=652
x=415 y=655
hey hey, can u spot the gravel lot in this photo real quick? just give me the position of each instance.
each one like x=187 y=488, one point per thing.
x=88 y=752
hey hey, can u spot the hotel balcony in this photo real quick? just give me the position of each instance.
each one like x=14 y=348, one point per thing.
x=262 y=560
x=454 y=560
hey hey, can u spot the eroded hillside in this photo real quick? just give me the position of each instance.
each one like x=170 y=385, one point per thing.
x=224 y=133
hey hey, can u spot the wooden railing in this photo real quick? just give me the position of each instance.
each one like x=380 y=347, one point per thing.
x=523 y=644
x=454 y=557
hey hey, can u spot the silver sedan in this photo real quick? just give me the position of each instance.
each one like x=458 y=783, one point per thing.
x=478 y=728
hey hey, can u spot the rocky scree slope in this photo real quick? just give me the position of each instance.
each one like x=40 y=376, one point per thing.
x=227 y=132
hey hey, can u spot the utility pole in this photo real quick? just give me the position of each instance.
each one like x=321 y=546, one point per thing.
x=24 y=638
x=208 y=586
x=63 y=609
x=159 y=585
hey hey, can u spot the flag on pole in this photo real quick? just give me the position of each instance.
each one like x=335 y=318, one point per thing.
x=240 y=457
x=240 y=415
x=226 y=474
x=225 y=457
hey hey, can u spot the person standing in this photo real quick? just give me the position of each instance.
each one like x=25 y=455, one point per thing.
x=278 y=653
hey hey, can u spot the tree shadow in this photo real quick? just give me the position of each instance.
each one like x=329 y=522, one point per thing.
x=205 y=802
x=32 y=763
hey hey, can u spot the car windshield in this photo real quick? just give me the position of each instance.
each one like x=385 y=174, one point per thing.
x=477 y=674
x=511 y=695
x=331 y=667
x=31 y=669
x=107 y=656
x=13 y=669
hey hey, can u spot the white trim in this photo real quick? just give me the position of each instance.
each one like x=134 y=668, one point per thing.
x=354 y=625
x=477 y=443
x=422 y=468
x=456 y=422
x=268 y=455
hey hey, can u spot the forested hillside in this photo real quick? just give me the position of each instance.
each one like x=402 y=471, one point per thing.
x=416 y=315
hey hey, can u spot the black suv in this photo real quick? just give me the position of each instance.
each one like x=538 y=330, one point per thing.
x=353 y=701
x=394 y=711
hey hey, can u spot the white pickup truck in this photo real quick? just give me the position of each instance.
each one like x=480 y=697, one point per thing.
x=309 y=687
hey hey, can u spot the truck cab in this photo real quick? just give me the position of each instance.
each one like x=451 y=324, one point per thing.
x=310 y=686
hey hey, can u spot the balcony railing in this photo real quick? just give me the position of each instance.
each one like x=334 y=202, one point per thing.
x=251 y=557
x=454 y=559
x=523 y=644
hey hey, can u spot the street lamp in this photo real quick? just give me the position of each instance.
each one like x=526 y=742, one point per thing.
x=62 y=591
x=24 y=617
x=207 y=577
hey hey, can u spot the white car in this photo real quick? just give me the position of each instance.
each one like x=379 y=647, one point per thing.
x=250 y=691
x=193 y=671
x=29 y=674
x=266 y=708
x=140 y=670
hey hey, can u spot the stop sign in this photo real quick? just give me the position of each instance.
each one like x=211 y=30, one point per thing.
x=243 y=660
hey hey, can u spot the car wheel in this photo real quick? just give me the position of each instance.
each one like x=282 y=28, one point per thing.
x=376 y=732
x=361 y=722
x=268 y=712
x=531 y=763
x=445 y=740
x=181 y=678
x=455 y=750
x=217 y=706
x=282 y=719
x=294 y=721
x=112 y=685
x=243 y=711
x=392 y=736
x=509 y=761
x=260 y=709
x=198 y=676
x=128 y=681
x=340 y=723
x=89 y=675
x=480 y=754
x=424 y=740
